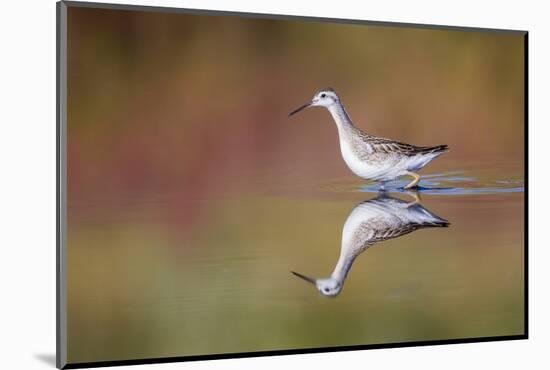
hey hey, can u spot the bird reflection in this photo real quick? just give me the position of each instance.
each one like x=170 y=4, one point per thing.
x=370 y=222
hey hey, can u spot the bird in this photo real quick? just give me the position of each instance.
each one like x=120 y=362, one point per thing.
x=371 y=157
x=370 y=222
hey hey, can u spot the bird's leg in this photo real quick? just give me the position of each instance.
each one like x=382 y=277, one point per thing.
x=416 y=197
x=413 y=183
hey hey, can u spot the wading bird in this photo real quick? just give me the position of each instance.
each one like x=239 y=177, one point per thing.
x=371 y=222
x=371 y=157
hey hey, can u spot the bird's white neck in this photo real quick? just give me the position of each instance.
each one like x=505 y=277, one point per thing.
x=341 y=117
x=342 y=268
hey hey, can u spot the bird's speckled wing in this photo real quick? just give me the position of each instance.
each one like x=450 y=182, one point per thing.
x=388 y=146
x=394 y=232
x=365 y=238
x=372 y=232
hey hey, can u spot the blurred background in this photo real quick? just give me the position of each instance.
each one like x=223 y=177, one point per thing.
x=192 y=194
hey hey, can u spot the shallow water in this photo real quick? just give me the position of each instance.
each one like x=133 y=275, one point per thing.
x=456 y=183
x=165 y=274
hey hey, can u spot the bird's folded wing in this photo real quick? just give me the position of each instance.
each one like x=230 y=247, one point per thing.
x=388 y=146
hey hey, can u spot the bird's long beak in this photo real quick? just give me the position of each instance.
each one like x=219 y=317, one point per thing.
x=299 y=109
x=306 y=278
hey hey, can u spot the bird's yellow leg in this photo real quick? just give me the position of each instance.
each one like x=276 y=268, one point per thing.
x=414 y=194
x=414 y=183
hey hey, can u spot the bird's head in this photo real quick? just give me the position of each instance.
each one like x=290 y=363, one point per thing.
x=329 y=287
x=322 y=98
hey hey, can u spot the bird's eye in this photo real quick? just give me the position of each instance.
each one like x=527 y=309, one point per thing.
x=323 y=95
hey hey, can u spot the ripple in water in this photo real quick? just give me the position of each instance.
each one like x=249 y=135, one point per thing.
x=452 y=183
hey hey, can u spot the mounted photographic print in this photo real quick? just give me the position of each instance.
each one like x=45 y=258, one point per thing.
x=234 y=184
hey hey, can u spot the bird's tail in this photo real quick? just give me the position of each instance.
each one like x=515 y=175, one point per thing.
x=441 y=222
x=438 y=149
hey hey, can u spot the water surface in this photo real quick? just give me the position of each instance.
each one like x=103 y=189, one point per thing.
x=163 y=274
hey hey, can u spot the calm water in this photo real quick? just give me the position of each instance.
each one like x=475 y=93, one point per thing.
x=163 y=274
